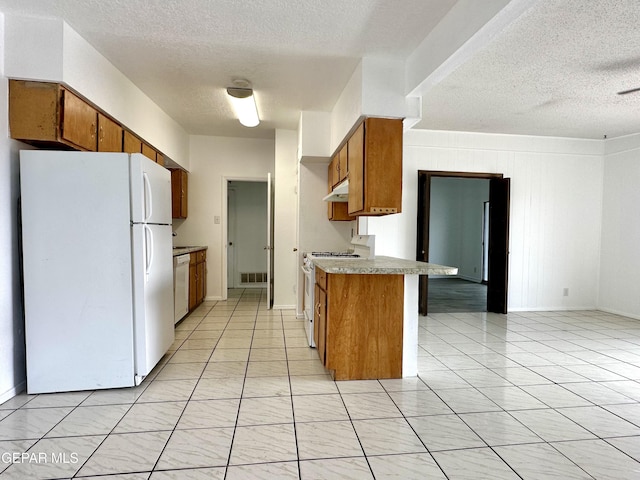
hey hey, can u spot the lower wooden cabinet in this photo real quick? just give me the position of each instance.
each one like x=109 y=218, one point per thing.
x=197 y=278
x=358 y=324
x=320 y=322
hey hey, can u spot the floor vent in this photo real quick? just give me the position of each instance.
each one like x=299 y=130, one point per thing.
x=253 y=277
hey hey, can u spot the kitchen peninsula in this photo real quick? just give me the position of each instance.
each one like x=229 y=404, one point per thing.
x=366 y=315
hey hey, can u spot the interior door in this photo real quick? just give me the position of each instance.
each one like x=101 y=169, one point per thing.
x=422 y=245
x=269 y=247
x=499 y=192
x=232 y=271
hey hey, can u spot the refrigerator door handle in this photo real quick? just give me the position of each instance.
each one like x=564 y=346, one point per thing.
x=148 y=197
x=148 y=240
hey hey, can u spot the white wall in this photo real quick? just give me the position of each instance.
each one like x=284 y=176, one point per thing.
x=316 y=232
x=285 y=252
x=12 y=354
x=556 y=209
x=214 y=160
x=455 y=224
x=620 y=257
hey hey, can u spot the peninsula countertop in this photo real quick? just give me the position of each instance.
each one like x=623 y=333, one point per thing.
x=382 y=266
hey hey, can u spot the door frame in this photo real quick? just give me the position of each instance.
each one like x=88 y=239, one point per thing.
x=225 y=225
x=424 y=211
x=231 y=232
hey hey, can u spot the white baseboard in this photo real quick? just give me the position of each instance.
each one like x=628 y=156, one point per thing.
x=9 y=394
x=551 y=309
x=284 y=307
x=618 y=312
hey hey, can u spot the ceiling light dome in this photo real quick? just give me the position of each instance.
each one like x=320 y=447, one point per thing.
x=243 y=102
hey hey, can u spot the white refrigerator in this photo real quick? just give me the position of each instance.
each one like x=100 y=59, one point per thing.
x=97 y=268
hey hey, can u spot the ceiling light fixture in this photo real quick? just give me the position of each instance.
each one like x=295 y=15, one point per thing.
x=244 y=103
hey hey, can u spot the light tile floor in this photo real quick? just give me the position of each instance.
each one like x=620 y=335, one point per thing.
x=553 y=395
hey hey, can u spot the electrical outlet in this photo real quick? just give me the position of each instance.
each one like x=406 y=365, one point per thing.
x=565 y=292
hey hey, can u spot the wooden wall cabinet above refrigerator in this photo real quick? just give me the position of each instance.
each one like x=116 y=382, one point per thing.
x=50 y=115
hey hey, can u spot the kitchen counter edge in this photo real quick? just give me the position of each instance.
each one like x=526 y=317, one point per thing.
x=184 y=250
x=382 y=266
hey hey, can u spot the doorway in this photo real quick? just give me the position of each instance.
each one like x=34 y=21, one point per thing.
x=247 y=226
x=497 y=235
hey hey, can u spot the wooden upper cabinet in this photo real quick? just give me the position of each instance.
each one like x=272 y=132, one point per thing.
x=148 y=151
x=131 y=143
x=79 y=122
x=179 y=193
x=375 y=167
x=109 y=135
x=330 y=173
x=49 y=115
x=356 y=170
x=338 y=211
x=343 y=164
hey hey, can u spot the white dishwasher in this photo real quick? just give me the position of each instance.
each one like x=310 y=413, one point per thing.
x=181 y=286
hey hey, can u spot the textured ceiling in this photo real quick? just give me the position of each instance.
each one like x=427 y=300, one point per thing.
x=554 y=71
x=299 y=54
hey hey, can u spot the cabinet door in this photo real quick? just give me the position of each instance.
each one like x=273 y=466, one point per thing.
x=131 y=143
x=330 y=176
x=383 y=166
x=149 y=152
x=356 y=170
x=193 y=291
x=109 y=135
x=179 y=193
x=343 y=163
x=200 y=293
x=79 y=122
x=320 y=323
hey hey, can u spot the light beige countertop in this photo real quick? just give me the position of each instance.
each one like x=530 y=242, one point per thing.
x=184 y=250
x=382 y=266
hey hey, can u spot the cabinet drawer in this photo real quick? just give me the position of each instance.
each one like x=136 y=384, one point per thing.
x=321 y=278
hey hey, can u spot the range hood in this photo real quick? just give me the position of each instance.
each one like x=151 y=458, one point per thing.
x=339 y=194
